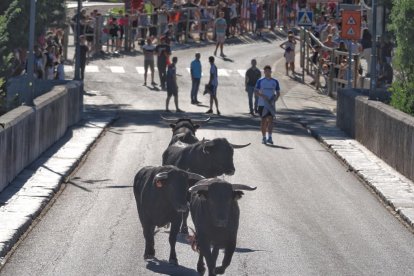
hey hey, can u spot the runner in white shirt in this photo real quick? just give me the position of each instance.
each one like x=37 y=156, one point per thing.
x=268 y=91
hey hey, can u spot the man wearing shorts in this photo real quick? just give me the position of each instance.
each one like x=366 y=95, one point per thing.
x=149 y=51
x=172 y=87
x=220 y=26
x=268 y=91
x=213 y=83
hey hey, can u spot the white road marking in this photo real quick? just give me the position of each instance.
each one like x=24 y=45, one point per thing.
x=68 y=68
x=223 y=72
x=140 y=70
x=189 y=71
x=242 y=72
x=91 y=69
x=116 y=69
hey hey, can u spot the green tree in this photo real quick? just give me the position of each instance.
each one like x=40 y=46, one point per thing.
x=402 y=18
x=14 y=28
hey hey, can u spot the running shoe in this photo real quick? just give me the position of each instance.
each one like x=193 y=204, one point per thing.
x=264 y=140
x=269 y=140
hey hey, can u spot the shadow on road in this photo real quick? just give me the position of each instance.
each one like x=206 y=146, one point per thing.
x=163 y=267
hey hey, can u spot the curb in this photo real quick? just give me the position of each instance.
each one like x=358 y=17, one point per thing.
x=385 y=178
x=27 y=188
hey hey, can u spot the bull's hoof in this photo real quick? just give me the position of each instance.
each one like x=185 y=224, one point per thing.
x=173 y=262
x=220 y=270
x=201 y=269
x=149 y=256
x=184 y=230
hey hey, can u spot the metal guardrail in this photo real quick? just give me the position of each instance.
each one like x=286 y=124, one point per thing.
x=335 y=76
x=185 y=21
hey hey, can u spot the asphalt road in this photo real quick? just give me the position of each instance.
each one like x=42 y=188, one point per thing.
x=308 y=216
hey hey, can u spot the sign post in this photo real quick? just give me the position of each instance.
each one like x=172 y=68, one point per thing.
x=351 y=30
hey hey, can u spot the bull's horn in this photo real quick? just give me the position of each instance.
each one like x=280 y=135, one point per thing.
x=239 y=146
x=169 y=120
x=243 y=187
x=161 y=176
x=199 y=187
x=195 y=176
x=201 y=121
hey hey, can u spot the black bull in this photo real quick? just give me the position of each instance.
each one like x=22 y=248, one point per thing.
x=184 y=129
x=215 y=213
x=161 y=197
x=207 y=158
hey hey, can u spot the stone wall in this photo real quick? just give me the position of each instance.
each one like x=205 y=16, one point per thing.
x=387 y=132
x=27 y=131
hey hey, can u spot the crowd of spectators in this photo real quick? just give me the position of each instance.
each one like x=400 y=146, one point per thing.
x=327 y=29
x=48 y=57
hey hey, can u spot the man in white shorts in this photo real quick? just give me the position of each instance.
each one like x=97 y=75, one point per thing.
x=220 y=26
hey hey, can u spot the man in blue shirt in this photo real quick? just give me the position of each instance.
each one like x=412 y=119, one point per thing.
x=195 y=69
x=268 y=91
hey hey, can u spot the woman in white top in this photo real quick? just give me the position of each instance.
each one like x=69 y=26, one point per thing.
x=289 y=47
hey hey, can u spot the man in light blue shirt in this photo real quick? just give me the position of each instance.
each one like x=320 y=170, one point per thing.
x=196 y=70
x=268 y=91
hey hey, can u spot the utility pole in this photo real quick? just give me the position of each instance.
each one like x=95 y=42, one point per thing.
x=77 y=50
x=373 y=73
x=30 y=66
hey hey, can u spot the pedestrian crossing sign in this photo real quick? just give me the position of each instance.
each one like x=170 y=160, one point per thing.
x=305 y=18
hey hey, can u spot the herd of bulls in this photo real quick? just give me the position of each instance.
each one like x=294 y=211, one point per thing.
x=188 y=174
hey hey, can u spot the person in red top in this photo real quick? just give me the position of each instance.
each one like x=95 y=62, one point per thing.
x=122 y=23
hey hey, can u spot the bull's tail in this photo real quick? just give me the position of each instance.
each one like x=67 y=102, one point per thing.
x=192 y=240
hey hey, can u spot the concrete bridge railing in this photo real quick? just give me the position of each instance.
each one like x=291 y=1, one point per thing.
x=27 y=131
x=387 y=132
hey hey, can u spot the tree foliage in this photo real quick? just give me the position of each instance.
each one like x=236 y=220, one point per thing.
x=14 y=27
x=402 y=17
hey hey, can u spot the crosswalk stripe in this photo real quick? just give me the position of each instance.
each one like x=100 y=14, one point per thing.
x=242 y=72
x=223 y=72
x=116 y=69
x=140 y=70
x=189 y=71
x=68 y=68
x=91 y=69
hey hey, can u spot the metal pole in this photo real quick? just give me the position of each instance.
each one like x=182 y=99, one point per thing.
x=30 y=66
x=349 y=63
x=77 y=50
x=373 y=73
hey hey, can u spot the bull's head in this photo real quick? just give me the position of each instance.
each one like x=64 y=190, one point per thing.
x=174 y=183
x=221 y=197
x=178 y=124
x=222 y=154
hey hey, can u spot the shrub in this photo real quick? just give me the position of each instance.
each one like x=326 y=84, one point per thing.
x=402 y=17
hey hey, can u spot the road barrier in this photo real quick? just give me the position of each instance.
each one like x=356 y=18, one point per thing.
x=328 y=72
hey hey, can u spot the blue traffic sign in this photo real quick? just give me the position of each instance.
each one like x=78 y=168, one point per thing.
x=305 y=18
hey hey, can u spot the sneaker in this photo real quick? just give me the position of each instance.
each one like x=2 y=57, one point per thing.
x=145 y=83
x=193 y=102
x=197 y=102
x=209 y=111
x=153 y=83
x=218 y=112
x=269 y=140
x=179 y=110
x=222 y=55
x=264 y=140
x=215 y=53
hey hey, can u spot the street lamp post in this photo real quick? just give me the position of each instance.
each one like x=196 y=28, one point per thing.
x=30 y=66
x=77 y=49
x=373 y=73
